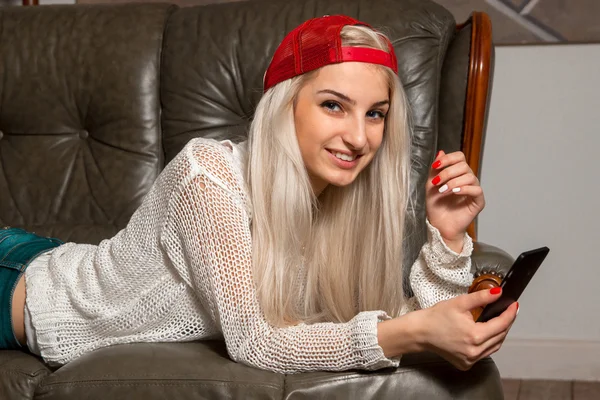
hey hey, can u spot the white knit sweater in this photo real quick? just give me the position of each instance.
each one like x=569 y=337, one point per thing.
x=181 y=271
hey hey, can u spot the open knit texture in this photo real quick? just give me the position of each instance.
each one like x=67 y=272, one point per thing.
x=181 y=271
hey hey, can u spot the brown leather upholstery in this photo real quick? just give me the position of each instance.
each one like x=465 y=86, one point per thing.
x=203 y=371
x=20 y=374
x=161 y=371
x=80 y=116
x=420 y=377
x=94 y=100
x=452 y=93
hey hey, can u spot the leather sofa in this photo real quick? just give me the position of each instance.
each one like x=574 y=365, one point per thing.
x=96 y=99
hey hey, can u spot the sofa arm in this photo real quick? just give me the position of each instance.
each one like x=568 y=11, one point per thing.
x=490 y=265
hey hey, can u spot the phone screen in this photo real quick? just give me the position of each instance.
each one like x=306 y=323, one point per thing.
x=515 y=282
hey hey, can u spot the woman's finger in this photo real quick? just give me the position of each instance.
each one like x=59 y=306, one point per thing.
x=494 y=341
x=501 y=323
x=451 y=172
x=444 y=160
x=470 y=191
x=455 y=185
x=492 y=350
x=488 y=334
x=433 y=171
x=483 y=338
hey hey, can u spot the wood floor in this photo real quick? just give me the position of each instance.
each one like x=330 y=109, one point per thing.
x=550 y=390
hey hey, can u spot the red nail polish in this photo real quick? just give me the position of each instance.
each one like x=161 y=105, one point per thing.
x=436 y=180
x=436 y=164
x=495 y=290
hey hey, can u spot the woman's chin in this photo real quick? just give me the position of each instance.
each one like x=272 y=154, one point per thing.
x=332 y=177
x=342 y=181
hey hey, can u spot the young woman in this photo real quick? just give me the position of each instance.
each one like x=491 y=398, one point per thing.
x=289 y=246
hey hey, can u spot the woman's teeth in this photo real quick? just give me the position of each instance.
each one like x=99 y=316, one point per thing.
x=344 y=157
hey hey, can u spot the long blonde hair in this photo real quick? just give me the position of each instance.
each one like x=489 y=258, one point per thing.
x=329 y=258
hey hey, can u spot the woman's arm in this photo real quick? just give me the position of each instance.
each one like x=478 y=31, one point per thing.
x=439 y=273
x=442 y=322
x=453 y=199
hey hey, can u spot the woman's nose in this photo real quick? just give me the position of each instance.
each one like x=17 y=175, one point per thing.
x=356 y=135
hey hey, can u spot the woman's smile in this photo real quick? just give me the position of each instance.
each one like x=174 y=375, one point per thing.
x=343 y=160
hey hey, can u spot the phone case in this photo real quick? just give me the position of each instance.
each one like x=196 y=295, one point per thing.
x=515 y=282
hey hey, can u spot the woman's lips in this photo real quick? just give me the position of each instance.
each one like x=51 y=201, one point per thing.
x=343 y=163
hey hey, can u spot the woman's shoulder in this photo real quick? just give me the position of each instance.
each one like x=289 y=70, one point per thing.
x=214 y=154
x=221 y=161
x=198 y=146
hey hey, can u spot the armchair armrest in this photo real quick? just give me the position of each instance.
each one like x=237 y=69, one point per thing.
x=489 y=265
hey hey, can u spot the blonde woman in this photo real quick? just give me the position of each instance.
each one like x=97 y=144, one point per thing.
x=289 y=246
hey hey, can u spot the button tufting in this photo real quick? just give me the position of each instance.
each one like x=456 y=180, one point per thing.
x=84 y=134
x=1 y=135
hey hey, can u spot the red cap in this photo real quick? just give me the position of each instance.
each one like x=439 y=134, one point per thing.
x=316 y=43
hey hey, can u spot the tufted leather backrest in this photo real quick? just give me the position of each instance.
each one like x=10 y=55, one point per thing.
x=453 y=91
x=80 y=141
x=215 y=58
x=84 y=88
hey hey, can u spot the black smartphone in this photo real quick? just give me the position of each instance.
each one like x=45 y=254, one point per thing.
x=515 y=282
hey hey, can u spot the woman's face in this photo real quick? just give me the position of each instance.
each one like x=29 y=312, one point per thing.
x=339 y=116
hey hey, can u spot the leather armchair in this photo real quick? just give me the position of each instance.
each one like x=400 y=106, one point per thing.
x=95 y=100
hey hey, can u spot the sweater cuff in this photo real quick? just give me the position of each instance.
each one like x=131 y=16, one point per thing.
x=447 y=264
x=445 y=254
x=367 y=351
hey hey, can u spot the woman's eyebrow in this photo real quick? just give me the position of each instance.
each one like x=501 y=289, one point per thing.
x=381 y=103
x=349 y=100
x=340 y=95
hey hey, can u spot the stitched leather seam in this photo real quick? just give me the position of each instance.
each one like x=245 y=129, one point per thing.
x=23 y=373
x=158 y=383
x=385 y=373
x=175 y=377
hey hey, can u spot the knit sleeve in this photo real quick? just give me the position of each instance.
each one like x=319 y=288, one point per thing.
x=439 y=273
x=212 y=225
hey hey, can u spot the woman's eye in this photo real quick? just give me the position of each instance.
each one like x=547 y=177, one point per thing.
x=374 y=114
x=331 y=106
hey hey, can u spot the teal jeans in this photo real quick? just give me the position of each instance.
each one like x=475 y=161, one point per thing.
x=17 y=249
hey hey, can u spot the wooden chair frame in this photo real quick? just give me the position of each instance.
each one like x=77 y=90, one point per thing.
x=478 y=90
x=478 y=84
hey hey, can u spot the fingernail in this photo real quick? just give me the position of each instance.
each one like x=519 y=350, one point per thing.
x=495 y=290
x=443 y=188
x=436 y=164
x=456 y=190
x=436 y=180
x=517 y=309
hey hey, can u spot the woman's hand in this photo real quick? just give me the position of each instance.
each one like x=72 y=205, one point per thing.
x=453 y=197
x=448 y=329
x=451 y=332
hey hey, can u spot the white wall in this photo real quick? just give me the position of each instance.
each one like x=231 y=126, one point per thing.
x=541 y=176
